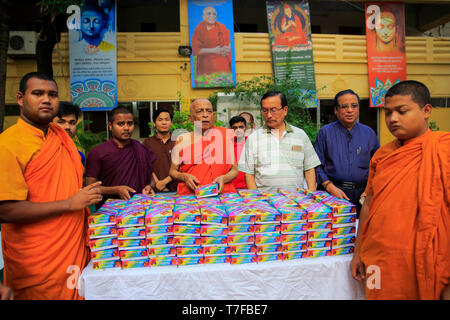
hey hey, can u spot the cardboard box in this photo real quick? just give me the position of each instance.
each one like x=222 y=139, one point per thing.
x=343 y=250
x=267 y=238
x=163 y=261
x=102 y=219
x=243 y=258
x=190 y=251
x=266 y=257
x=320 y=235
x=158 y=215
x=316 y=253
x=103 y=243
x=216 y=250
x=208 y=190
x=293 y=238
x=161 y=251
x=215 y=259
x=132 y=243
x=159 y=240
x=241 y=229
x=188 y=261
x=268 y=248
x=139 y=263
x=345 y=240
x=213 y=240
x=241 y=249
x=186 y=240
x=161 y=230
x=186 y=230
x=293 y=228
x=106 y=264
x=294 y=246
x=295 y=255
x=133 y=253
x=267 y=228
x=108 y=254
x=240 y=239
x=102 y=232
x=131 y=233
x=326 y=244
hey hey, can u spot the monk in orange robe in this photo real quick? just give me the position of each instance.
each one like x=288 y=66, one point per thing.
x=403 y=244
x=200 y=159
x=211 y=44
x=43 y=208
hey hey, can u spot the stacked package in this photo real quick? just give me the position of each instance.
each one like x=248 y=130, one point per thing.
x=206 y=228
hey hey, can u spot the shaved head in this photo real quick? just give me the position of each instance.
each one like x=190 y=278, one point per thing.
x=202 y=111
x=198 y=102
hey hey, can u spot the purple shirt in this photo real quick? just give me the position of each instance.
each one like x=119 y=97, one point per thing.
x=131 y=165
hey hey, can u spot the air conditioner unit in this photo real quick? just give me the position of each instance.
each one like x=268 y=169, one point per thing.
x=22 y=43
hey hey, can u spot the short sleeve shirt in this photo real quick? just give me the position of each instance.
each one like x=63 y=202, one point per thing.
x=278 y=163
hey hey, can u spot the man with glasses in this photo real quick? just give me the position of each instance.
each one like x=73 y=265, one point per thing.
x=278 y=155
x=345 y=148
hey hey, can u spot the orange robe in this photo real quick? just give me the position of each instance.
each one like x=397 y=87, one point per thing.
x=208 y=158
x=44 y=258
x=204 y=38
x=407 y=232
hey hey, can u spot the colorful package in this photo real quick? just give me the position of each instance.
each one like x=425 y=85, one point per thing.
x=340 y=231
x=102 y=232
x=320 y=195
x=211 y=230
x=133 y=253
x=294 y=255
x=159 y=240
x=339 y=206
x=268 y=248
x=351 y=218
x=294 y=246
x=248 y=192
x=215 y=259
x=345 y=240
x=159 y=230
x=103 y=243
x=316 y=253
x=291 y=228
x=241 y=248
x=139 y=263
x=241 y=229
x=320 y=235
x=254 y=198
x=289 y=238
x=140 y=197
x=205 y=202
x=114 y=203
x=292 y=214
x=266 y=257
x=132 y=243
x=188 y=199
x=318 y=211
x=130 y=220
x=189 y=251
x=166 y=201
x=270 y=194
x=216 y=250
x=242 y=214
x=188 y=261
x=108 y=254
x=186 y=230
x=132 y=209
x=264 y=238
x=266 y=214
x=161 y=250
x=232 y=201
x=107 y=264
x=342 y=250
x=308 y=192
x=159 y=215
x=240 y=239
x=131 y=233
x=243 y=258
x=308 y=202
x=186 y=214
x=282 y=201
x=163 y=261
x=102 y=219
x=267 y=228
x=213 y=240
x=290 y=193
x=229 y=195
x=214 y=218
x=319 y=225
x=208 y=190
x=324 y=244
x=187 y=240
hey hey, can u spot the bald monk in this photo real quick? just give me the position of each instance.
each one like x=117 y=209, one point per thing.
x=403 y=244
x=204 y=156
x=211 y=44
x=43 y=207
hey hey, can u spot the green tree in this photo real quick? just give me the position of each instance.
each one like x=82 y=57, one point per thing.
x=85 y=140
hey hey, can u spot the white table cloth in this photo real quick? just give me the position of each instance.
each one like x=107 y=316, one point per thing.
x=308 y=278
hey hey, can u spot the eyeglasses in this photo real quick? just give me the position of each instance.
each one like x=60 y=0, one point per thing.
x=271 y=110
x=347 y=106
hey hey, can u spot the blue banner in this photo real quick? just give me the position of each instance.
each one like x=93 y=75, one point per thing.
x=211 y=34
x=93 y=56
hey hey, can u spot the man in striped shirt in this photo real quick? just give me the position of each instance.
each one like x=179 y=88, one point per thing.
x=278 y=154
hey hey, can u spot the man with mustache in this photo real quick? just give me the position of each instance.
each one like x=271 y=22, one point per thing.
x=124 y=165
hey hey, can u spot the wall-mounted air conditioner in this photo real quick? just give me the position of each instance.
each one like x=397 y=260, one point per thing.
x=22 y=43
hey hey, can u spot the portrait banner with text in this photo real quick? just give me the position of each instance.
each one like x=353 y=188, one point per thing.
x=211 y=34
x=93 y=56
x=290 y=39
x=385 y=41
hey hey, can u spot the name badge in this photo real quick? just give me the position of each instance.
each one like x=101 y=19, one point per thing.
x=297 y=148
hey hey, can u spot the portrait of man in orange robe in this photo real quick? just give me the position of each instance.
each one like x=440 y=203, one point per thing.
x=291 y=27
x=402 y=249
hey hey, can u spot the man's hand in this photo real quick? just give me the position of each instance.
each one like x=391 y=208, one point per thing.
x=357 y=268
x=148 y=191
x=160 y=185
x=191 y=181
x=335 y=191
x=220 y=182
x=6 y=293
x=124 y=192
x=85 y=197
x=445 y=295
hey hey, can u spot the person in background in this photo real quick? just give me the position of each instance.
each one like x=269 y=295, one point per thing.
x=67 y=119
x=239 y=125
x=402 y=248
x=6 y=293
x=345 y=148
x=250 y=122
x=161 y=144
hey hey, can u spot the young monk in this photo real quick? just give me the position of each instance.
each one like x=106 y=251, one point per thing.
x=43 y=208
x=403 y=244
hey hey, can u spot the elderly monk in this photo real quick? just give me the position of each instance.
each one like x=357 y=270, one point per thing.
x=124 y=165
x=211 y=44
x=204 y=156
x=403 y=243
x=43 y=207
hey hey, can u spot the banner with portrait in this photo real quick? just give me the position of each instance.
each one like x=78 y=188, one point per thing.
x=385 y=41
x=93 y=56
x=290 y=39
x=211 y=34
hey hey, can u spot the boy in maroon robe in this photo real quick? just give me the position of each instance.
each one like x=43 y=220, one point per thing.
x=124 y=165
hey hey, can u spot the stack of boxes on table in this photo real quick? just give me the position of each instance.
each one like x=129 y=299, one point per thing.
x=248 y=226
